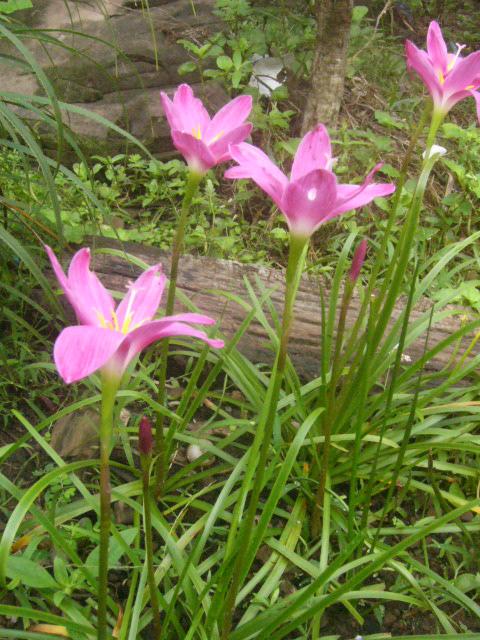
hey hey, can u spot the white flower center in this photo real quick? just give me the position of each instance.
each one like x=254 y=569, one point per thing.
x=312 y=194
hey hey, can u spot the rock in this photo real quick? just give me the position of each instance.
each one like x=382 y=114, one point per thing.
x=124 y=56
x=76 y=435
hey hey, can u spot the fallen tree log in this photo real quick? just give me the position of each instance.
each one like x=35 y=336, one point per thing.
x=200 y=278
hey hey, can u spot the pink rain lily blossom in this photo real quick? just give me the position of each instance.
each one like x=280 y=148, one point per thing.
x=204 y=141
x=109 y=336
x=312 y=195
x=448 y=77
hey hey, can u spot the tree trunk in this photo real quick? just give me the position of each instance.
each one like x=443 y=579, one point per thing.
x=334 y=18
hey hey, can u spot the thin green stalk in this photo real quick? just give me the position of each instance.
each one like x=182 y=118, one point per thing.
x=193 y=182
x=147 y=528
x=261 y=443
x=109 y=390
x=353 y=346
x=391 y=390
x=364 y=375
x=330 y=413
x=396 y=272
x=324 y=551
x=405 y=440
x=400 y=261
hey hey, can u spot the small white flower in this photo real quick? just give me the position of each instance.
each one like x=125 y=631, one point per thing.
x=435 y=150
x=265 y=74
x=194 y=452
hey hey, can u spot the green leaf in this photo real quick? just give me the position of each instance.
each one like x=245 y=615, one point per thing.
x=386 y=120
x=30 y=573
x=224 y=63
x=115 y=551
x=237 y=59
x=9 y=6
x=359 y=13
x=467 y=582
x=236 y=78
x=186 y=68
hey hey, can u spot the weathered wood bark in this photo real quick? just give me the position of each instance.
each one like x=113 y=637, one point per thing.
x=334 y=18
x=200 y=279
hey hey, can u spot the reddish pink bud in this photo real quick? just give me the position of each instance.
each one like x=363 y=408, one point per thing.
x=357 y=262
x=145 y=437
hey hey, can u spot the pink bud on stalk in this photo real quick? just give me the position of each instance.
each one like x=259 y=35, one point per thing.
x=358 y=260
x=145 y=437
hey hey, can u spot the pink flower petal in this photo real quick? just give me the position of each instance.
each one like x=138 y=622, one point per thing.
x=314 y=152
x=476 y=95
x=151 y=332
x=195 y=151
x=350 y=197
x=143 y=298
x=308 y=201
x=230 y=116
x=436 y=47
x=220 y=149
x=465 y=75
x=80 y=351
x=88 y=297
x=196 y=318
x=170 y=112
x=91 y=301
x=256 y=165
x=190 y=112
x=57 y=269
x=419 y=61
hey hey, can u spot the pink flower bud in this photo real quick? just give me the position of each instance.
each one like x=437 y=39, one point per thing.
x=145 y=437
x=357 y=262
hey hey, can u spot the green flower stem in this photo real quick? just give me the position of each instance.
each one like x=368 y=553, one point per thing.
x=352 y=342
x=191 y=188
x=330 y=409
x=384 y=303
x=324 y=552
x=402 y=252
x=261 y=444
x=147 y=527
x=109 y=390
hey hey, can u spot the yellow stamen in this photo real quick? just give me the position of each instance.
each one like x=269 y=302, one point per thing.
x=470 y=87
x=441 y=77
x=126 y=323
x=101 y=319
x=115 y=321
x=197 y=133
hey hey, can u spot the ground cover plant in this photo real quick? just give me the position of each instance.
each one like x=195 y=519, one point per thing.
x=260 y=504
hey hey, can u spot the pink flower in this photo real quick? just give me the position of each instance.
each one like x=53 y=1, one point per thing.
x=109 y=337
x=203 y=141
x=312 y=195
x=358 y=260
x=448 y=77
